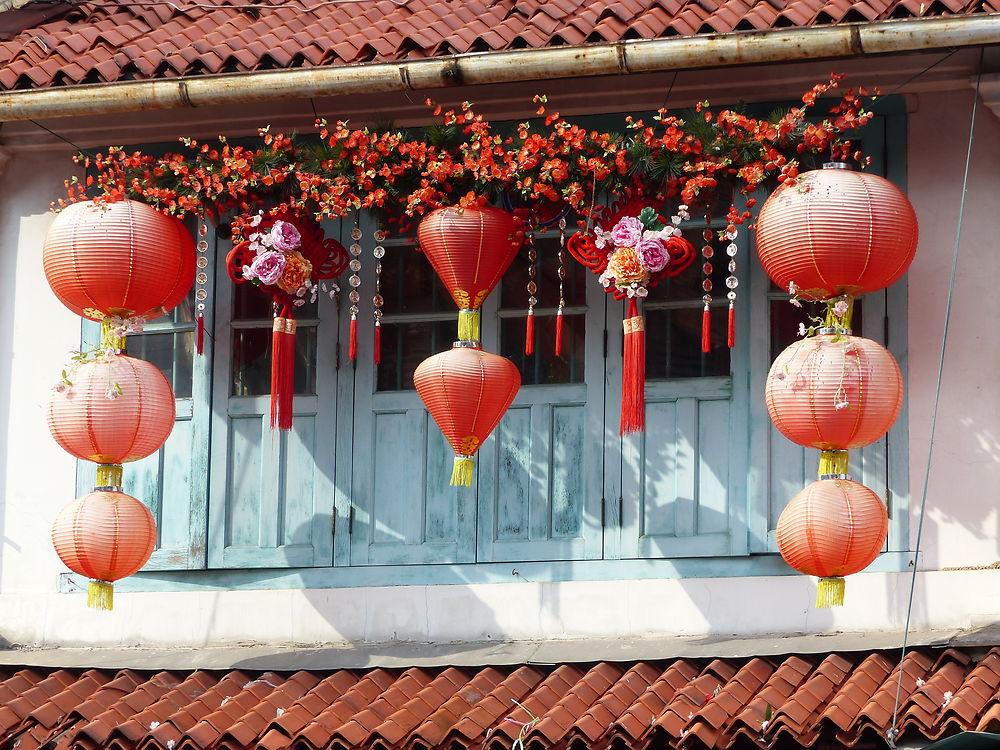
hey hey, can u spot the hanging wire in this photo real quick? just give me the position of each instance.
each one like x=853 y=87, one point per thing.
x=893 y=732
x=62 y=138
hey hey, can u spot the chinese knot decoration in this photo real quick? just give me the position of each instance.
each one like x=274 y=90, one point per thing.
x=828 y=235
x=119 y=264
x=288 y=258
x=640 y=250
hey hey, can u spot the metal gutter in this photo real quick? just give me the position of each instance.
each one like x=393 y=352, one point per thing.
x=634 y=56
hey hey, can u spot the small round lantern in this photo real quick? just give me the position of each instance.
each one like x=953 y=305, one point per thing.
x=834 y=392
x=122 y=259
x=467 y=391
x=470 y=249
x=834 y=231
x=118 y=409
x=832 y=528
x=106 y=536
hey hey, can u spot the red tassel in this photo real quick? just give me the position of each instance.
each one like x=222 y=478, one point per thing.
x=529 y=334
x=378 y=343
x=634 y=372
x=352 y=350
x=282 y=372
x=731 y=337
x=559 y=332
x=706 y=331
x=201 y=333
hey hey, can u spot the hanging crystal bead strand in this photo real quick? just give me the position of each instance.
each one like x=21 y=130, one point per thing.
x=377 y=300
x=731 y=282
x=529 y=329
x=201 y=286
x=562 y=279
x=355 y=281
x=706 y=284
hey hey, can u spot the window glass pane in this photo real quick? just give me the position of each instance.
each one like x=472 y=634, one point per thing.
x=514 y=284
x=673 y=343
x=406 y=345
x=409 y=283
x=544 y=367
x=252 y=361
x=172 y=353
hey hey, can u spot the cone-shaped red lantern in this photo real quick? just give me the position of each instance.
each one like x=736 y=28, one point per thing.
x=467 y=391
x=118 y=409
x=832 y=528
x=105 y=536
x=834 y=393
x=122 y=259
x=833 y=231
x=470 y=249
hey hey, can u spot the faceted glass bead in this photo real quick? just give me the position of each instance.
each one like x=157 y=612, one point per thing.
x=707 y=285
x=353 y=310
x=355 y=249
x=731 y=249
x=707 y=269
x=532 y=301
x=732 y=282
x=355 y=265
x=378 y=301
x=708 y=251
x=732 y=266
x=731 y=296
x=355 y=234
x=532 y=287
x=355 y=280
x=707 y=235
x=202 y=246
x=202 y=278
x=562 y=273
x=354 y=297
x=201 y=306
x=380 y=235
x=707 y=299
x=378 y=251
x=378 y=268
x=202 y=230
x=532 y=272
x=202 y=262
x=201 y=294
x=562 y=223
x=532 y=254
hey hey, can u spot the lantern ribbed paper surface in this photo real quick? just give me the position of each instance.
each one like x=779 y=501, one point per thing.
x=812 y=377
x=832 y=528
x=467 y=391
x=89 y=425
x=124 y=259
x=470 y=249
x=105 y=536
x=835 y=231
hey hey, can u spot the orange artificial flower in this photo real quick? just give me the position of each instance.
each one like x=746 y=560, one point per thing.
x=297 y=272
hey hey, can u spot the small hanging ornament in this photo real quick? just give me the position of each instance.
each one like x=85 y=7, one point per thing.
x=529 y=326
x=355 y=282
x=201 y=285
x=562 y=279
x=707 y=252
x=731 y=280
x=377 y=301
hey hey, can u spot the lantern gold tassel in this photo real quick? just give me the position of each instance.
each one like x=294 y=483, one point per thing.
x=109 y=475
x=833 y=463
x=101 y=595
x=461 y=474
x=830 y=593
x=468 y=325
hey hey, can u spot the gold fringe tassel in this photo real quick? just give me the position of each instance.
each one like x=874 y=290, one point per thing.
x=101 y=595
x=110 y=340
x=834 y=462
x=461 y=473
x=830 y=593
x=109 y=475
x=468 y=325
x=843 y=321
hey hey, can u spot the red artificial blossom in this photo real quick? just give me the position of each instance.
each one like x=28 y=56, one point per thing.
x=286 y=256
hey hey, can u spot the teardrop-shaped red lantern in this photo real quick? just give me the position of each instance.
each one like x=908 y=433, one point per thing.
x=470 y=249
x=467 y=391
x=105 y=536
x=834 y=393
x=834 y=231
x=832 y=528
x=118 y=409
x=122 y=259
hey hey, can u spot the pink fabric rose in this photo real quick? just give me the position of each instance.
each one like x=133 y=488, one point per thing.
x=653 y=254
x=268 y=266
x=627 y=232
x=285 y=237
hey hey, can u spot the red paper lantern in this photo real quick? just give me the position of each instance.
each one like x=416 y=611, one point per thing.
x=470 y=249
x=105 y=536
x=832 y=528
x=834 y=393
x=467 y=391
x=123 y=259
x=833 y=231
x=131 y=425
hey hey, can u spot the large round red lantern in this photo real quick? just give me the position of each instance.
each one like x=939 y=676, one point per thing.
x=123 y=259
x=467 y=391
x=470 y=249
x=832 y=528
x=106 y=536
x=834 y=231
x=118 y=409
x=834 y=392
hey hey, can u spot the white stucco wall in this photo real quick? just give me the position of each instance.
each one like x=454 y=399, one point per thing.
x=963 y=518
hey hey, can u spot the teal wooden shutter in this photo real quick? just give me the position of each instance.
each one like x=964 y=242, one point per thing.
x=271 y=492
